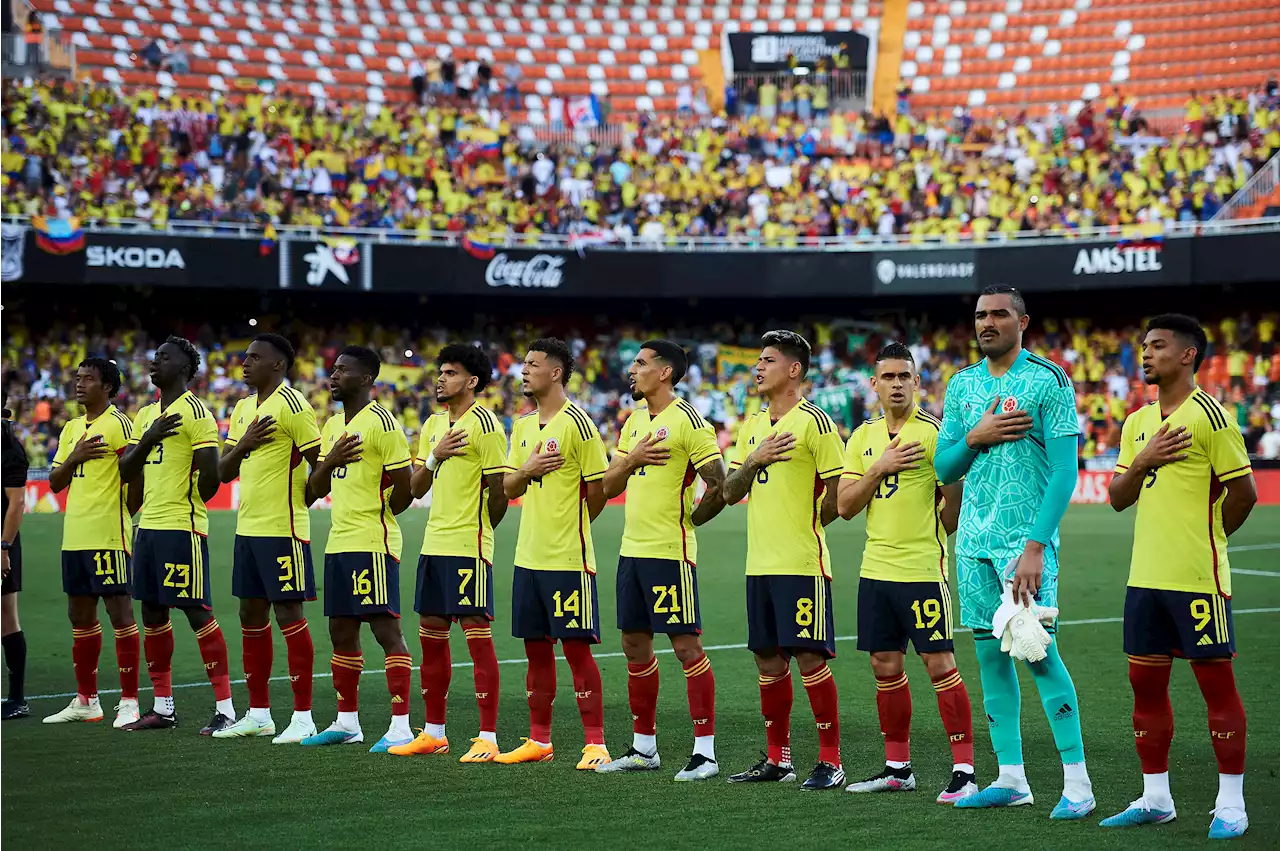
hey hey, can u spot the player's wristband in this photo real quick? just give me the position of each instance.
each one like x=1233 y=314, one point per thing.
x=432 y=462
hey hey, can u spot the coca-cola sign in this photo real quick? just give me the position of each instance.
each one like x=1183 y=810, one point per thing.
x=541 y=271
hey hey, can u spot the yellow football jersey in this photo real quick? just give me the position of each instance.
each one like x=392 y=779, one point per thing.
x=362 y=522
x=171 y=495
x=784 y=522
x=459 y=521
x=905 y=538
x=660 y=499
x=273 y=477
x=1178 y=540
x=555 y=531
x=97 y=514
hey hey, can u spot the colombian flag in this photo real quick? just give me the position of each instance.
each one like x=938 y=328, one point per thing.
x=269 y=240
x=58 y=236
x=477 y=248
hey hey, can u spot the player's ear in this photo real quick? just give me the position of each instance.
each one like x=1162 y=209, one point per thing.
x=1023 y=321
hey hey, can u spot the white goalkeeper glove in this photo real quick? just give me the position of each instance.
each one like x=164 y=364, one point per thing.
x=1022 y=628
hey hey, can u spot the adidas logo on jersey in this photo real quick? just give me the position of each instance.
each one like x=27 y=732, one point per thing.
x=867 y=454
x=804 y=633
x=1204 y=641
x=465 y=601
x=573 y=624
x=937 y=636
x=366 y=602
x=673 y=619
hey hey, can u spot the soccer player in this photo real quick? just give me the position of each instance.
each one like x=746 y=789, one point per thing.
x=97 y=542
x=272 y=433
x=462 y=458
x=364 y=463
x=15 y=642
x=1177 y=455
x=557 y=464
x=663 y=448
x=789 y=459
x=902 y=586
x=172 y=459
x=1009 y=428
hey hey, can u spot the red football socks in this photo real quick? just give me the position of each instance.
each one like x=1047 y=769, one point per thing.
x=86 y=648
x=824 y=700
x=586 y=687
x=776 y=698
x=347 y=668
x=642 y=694
x=957 y=715
x=1152 y=711
x=213 y=649
x=128 y=655
x=701 y=685
x=399 y=681
x=540 y=685
x=485 y=661
x=158 y=641
x=258 y=657
x=436 y=672
x=1217 y=681
x=302 y=661
x=893 y=703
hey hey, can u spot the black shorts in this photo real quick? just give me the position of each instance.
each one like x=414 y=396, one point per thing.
x=171 y=568
x=790 y=613
x=1178 y=623
x=275 y=569
x=453 y=587
x=359 y=585
x=890 y=613
x=554 y=604
x=96 y=573
x=12 y=583
x=658 y=595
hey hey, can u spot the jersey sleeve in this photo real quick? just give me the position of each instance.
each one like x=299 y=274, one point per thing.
x=141 y=421
x=1058 y=414
x=519 y=452
x=855 y=466
x=304 y=429
x=493 y=452
x=828 y=454
x=742 y=446
x=395 y=449
x=703 y=446
x=65 y=445
x=326 y=439
x=592 y=458
x=624 y=437
x=1127 y=449
x=235 y=430
x=952 y=431
x=202 y=431
x=1227 y=455
x=424 y=444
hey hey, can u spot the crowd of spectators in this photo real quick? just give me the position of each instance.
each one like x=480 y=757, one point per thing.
x=451 y=166
x=1242 y=370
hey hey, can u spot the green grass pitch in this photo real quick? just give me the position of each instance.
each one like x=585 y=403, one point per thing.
x=91 y=786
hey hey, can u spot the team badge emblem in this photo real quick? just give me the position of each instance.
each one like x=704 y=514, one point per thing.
x=661 y=433
x=552 y=445
x=1009 y=405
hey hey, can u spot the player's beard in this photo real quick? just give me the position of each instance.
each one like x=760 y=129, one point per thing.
x=636 y=395
x=443 y=398
x=999 y=346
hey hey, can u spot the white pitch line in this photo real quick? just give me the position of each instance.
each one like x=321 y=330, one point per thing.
x=1248 y=548
x=368 y=671
x=1235 y=571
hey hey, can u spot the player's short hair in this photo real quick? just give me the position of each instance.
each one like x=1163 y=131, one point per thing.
x=1015 y=296
x=673 y=354
x=471 y=358
x=790 y=344
x=108 y=373
x=366 y=357
x=281 y=345
x=895 y=351
x=188 y=349
x=554 y=347
x=1185 y=327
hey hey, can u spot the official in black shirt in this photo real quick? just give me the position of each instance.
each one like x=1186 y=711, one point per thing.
x=13 y=459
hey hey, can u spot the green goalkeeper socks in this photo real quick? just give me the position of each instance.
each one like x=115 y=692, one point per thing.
x=1058 y=697
x=1002 y=699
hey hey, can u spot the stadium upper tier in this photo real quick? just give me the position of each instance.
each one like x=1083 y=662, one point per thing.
x=989 y=54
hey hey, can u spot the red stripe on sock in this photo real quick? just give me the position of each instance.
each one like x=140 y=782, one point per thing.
x=824 y=700
x=302 y=662
x=213 y=650
x=86 y=649
x=259 y=655
x=159 y=647
x=485 y=665
x=435 y=673
x=1217 y=681
x=701 y=687
x=894 y=707
x=399 y=682
x=642 y=694
x=540 y=686
x=776 y=698
x=957 y=716
x=346 y=669
x=128 y=657
x=586 y=688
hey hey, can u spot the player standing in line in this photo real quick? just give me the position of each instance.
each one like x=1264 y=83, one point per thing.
x=902 y=586
x=172 y=460
x=97 y=542
x=789 y=460
x=364 y=463
x=272 y=433
x=1177 y=455
x=14 y=640
x=462 y=456
x=558 y=464
x=663 y=448
x=1009 y=428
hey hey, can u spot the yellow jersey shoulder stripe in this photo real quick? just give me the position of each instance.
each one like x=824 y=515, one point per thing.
x=580 y=419
x=125 y=425
x=1212 y=410
x=825 y=423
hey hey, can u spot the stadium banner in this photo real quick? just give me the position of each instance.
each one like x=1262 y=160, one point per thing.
x=777 y=51
x=1245 y=258
x=942 y=270
x=327 y=263
x=1092 y=264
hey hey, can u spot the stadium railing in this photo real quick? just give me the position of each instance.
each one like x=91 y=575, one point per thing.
x=1260 y=187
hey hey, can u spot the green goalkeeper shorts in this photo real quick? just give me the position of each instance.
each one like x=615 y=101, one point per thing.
x=981 y=585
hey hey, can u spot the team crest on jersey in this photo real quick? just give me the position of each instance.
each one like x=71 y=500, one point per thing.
x=552 y=445
x=1009 y=405
x=662 y=433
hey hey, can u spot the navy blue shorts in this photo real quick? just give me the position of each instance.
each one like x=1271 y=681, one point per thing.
x=658 y=595
x=891 y=613
x=790 y=613
x=1178 y=623
x=275 y=569
x=171 y=568
x=554 y=604
x=96 y=573
x=454 y=587
x=360 y=585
